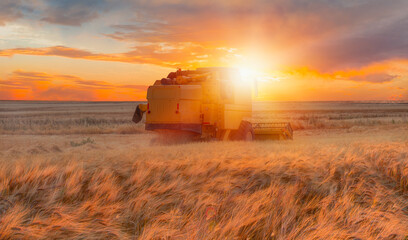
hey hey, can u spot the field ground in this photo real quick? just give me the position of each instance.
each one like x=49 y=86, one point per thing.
x=84 y=171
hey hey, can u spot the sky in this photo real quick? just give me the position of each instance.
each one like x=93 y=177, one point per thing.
x=112 y=50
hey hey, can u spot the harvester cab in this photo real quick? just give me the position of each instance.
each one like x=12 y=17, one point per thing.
x=207 y=103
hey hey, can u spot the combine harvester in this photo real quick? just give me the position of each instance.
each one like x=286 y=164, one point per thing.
x=206 y=104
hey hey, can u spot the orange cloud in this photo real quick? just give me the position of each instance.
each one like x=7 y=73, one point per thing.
x=21 y=85
x=318 y=49
x=185 y=55
x=379 y=81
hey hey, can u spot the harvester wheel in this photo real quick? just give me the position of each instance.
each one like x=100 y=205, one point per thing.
x=245 y=132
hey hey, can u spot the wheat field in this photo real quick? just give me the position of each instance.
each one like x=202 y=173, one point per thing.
x=84 y=171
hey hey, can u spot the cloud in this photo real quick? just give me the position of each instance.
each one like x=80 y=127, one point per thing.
x=32 y=76
x=60 y=12
x=10 y=10
x=106 y=85
x=379 y=43
x=141 y=31
x=168 y=55
x=25 y=80
x=96 y=84
x=63 y=51
x=376 y=74
x=136 y=87
x=295 y=84
x=374 y=78
x=60 y=93
x=325 y=35
x=43 y=86
x=73 y=12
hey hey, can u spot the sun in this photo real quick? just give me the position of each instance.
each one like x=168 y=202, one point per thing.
x=248 y=74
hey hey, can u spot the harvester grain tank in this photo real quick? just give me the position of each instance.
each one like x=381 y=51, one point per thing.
x=207 y=103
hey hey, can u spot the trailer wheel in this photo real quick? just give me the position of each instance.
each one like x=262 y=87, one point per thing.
x=245 y=132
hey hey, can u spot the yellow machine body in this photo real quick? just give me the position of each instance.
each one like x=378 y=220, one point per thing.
x=174 y=107
x=208 y=102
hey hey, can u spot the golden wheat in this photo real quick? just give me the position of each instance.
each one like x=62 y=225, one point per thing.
x=326 y=184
